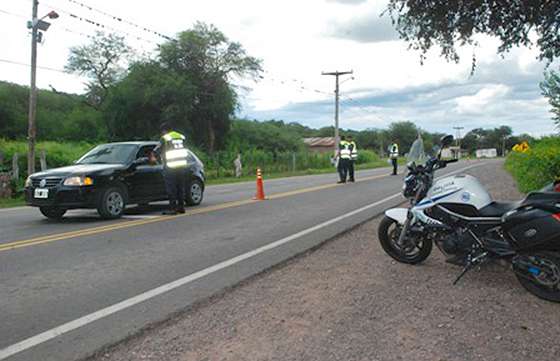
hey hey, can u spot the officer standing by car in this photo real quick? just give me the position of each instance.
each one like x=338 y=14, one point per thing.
x=344 y=157
x=394 y=155
x=353 y=157
x=173 y=154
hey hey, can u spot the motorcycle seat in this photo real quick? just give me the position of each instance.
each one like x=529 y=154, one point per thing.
x=535 y=197
x=498 y=209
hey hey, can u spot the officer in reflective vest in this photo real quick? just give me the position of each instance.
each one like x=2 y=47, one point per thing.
x=353 y=157
x=173 y=154
x=394 y=155
x=344 y=157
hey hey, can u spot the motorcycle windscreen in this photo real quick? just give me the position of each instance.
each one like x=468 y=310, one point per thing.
x=416 y=154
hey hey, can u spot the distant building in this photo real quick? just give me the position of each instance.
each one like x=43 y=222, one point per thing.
x=454 y=152
x=487 y=153
x=319 y=144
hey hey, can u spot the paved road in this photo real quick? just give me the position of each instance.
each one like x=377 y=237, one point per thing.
x=69 y=288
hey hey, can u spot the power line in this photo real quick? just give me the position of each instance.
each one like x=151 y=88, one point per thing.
x=13 y=14
x=99 y=24
x=120 y=19
x=364 y=109
x=28 y=65
x=353 y=106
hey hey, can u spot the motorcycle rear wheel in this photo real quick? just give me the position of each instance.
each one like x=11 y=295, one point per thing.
x=412 y=253
x=546 y=286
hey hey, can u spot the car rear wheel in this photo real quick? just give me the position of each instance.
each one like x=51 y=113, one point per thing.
x=111 y=203
x=52 y=212
x=194 y=193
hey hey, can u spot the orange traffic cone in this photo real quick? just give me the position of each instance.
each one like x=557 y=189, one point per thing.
x=260 y=187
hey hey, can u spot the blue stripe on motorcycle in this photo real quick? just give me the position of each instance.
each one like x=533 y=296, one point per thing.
x=426 y=201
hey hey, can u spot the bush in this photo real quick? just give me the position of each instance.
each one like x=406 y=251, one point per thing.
x=58 y=154
x=538 y=166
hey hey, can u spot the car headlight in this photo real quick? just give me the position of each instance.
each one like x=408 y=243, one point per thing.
x=28 y=182
x=78 y=181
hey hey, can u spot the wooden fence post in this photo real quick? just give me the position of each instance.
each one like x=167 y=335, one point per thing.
x=15 y=167
x=293 y=162
x=43 y=159
x=1 y=159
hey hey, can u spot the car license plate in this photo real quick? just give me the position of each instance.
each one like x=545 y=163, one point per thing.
x=41 y=193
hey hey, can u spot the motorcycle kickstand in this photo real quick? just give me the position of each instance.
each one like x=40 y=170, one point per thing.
x=471 y=263
x=465 y=270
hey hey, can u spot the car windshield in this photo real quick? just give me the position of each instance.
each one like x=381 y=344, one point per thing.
x=109 y=154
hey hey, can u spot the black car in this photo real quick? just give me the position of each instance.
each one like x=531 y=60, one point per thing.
x=108 y=178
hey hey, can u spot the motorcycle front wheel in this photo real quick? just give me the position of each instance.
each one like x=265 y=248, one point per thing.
x=413 y=251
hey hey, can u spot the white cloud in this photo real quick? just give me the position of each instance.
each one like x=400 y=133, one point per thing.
x=476 y=104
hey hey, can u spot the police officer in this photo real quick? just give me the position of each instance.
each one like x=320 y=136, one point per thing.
x=173 y=153
x=344 y=156
x=394 y=155
x=353 y=157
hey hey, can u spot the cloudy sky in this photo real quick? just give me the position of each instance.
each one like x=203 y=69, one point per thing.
x=297 y=40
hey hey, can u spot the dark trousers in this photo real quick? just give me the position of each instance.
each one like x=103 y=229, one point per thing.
x=394 y=161
x=175 y=186
x=351 y=169
x=343 y=169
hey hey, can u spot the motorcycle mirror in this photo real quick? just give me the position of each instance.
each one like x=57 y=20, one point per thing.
x=446 y=141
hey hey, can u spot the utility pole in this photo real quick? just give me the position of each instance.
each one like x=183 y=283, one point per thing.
x=32 y=126
x=458 y=129
x=35 y=25
x=336 y=74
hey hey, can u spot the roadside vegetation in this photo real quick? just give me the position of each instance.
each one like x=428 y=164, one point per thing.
x=537 y=166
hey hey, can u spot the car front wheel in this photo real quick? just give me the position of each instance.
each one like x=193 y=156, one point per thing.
x=195 y=192
x=111 y=203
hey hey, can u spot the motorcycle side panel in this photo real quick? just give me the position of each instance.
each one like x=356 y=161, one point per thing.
x=398 y=214
x=459 y=189
x=532 y=228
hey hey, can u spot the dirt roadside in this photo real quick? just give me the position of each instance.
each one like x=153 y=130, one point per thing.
x=349 y=301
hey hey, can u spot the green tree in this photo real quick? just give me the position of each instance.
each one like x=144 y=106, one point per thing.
x=550 y=88
x=404 y=133
x=425 y=23
x=103 y=61
x=211 y=62
x=149 y=95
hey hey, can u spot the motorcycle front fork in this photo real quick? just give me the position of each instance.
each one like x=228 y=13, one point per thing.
x=401 y=242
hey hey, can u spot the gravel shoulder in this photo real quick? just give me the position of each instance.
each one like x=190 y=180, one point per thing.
x=349 y=301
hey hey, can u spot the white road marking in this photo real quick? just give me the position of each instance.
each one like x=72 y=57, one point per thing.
x=92 y=317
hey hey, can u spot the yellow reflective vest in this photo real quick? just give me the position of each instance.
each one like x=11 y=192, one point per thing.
x=394 y=153
x=344 y=150
x=353 y=150
x=174 y=153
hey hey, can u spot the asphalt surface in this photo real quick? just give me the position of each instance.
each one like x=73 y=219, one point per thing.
x=348 y=300
x=60 y=281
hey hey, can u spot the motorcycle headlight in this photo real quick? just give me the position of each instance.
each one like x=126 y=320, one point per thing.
x=78 y=181
x=28 y=182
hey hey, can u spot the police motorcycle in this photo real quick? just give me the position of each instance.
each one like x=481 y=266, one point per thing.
x=470 y=229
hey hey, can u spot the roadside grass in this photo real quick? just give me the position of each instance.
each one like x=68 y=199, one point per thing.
x=538 y=166
x=12 y=202
x=330 y=170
